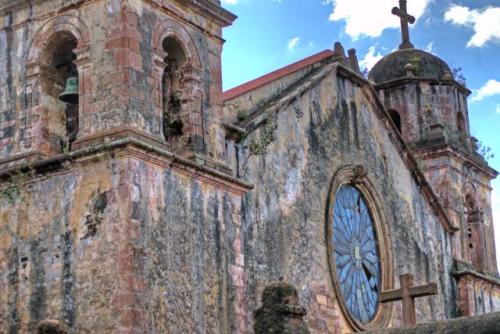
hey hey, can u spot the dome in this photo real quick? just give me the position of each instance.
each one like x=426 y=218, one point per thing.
x=425 y=66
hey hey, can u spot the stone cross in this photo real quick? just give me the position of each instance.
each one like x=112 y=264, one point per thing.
x=406 y=19
x=407 y=294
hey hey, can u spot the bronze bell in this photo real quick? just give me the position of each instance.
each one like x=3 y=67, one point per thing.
x=70 y=94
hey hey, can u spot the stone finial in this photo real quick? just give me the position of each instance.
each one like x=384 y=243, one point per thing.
x=447 y=76
x=280 y=311
x=353 y=60
x=410 y=70
x=359 y=174
x=428 y=109
x=338 y=50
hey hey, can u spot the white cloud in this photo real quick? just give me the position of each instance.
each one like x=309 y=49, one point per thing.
x=490 y=88
x=370 y=59
x=429 y=47
x=230 y=2
x=293 y=44
x=371 y=18
x=485 y=23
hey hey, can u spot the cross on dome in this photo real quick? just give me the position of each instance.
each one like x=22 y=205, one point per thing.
x=406 y=19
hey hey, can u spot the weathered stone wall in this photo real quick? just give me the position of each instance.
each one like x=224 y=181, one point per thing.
x=422 y=104
x=239 y=107
x=64 y=246
x=328 y=127
x=188 y=252
x=454 y=179
x=122 y=244
x=97 y=240
x=478 y=293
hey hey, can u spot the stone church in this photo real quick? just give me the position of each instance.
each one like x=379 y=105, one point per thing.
x=138 y=197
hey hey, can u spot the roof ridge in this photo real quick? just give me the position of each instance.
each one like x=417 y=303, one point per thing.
x=275 y=75
x=294 y=90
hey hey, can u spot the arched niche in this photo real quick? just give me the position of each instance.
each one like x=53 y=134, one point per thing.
x=396 y=118
x=174 y=119
x=177 y=70
x=50 y=326
x=475 y=242
x=461 y=123
x=58 y=50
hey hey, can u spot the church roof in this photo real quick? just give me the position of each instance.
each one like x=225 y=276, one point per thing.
x=258 y=115
x=270 y=77
x=425 y=66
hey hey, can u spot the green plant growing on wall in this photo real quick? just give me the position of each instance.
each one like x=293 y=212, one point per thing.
x=459 y=76
x=415 y=62
x=15 y=188
x=241 y=115
x=484 y=151
x=259 y=146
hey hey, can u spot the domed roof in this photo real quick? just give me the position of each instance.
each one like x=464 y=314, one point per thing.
x=425 y=66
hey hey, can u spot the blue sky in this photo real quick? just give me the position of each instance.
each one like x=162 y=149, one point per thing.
x=269 y=34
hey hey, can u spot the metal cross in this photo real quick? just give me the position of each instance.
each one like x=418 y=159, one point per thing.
x=407 y=294
x=406 y=19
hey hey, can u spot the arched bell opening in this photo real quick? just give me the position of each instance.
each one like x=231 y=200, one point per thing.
x=60 y=84
x=174 y=121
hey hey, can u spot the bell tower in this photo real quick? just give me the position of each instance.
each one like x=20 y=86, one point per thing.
x=117 y=213
x=158 y=77
x=429 y=107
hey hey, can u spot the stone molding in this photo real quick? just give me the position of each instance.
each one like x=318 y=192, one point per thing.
x=358 y=176
x=441 y=147
x=136 y=148
x=403 y=81
x=66 y=22
x=461 y=268
x=171 y=28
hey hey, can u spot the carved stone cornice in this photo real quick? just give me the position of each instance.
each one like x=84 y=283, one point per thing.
x=213 y=11
x=206 y=8
x=415 y=80
x=463 y=269
x=132 y=147
x=12 y=5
